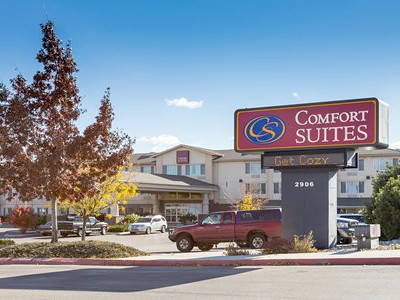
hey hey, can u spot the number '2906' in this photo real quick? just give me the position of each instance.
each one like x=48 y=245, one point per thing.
x=303 y=184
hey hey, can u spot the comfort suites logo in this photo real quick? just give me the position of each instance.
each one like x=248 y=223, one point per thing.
x=264 y=129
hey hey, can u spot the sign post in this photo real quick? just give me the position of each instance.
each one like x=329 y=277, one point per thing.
x=308 y=143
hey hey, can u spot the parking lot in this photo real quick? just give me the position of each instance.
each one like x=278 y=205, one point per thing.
x=156 y=243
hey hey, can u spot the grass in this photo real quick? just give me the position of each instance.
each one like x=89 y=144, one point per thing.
x=6 y=242
x=81 y=249
x=232 y=250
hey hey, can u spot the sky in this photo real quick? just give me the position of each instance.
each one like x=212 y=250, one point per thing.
x=179 y=69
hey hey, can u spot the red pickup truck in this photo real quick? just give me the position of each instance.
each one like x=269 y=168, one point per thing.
x=247 y=228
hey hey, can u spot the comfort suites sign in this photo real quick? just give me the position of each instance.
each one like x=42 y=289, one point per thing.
x=335 y=124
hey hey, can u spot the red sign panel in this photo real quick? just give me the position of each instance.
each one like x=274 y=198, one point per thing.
x=182 y=157
x=338 y=124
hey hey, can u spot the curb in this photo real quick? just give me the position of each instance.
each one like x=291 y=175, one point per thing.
x=205 y=262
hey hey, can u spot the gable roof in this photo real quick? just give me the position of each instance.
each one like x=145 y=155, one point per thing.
x=158 y=182
x=204 y=150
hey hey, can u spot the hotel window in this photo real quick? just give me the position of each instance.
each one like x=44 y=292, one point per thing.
x=381 y=163
x=195 y=170
x=277 y=188
x=352 y=187
x=253 y=168
x=172 y=169
x=256 y=188
x=147 y=169
x=361 y=164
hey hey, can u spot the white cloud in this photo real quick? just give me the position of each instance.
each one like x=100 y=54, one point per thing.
x=395 y=145
x=161 y=142
x=183 y=102
x=296 y=95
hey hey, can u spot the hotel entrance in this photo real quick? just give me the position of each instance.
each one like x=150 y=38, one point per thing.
x=174 y=210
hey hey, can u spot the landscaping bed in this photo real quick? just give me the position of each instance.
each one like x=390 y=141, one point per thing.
x=81 y=249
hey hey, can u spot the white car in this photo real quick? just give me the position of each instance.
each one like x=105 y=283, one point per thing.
x=148 y=225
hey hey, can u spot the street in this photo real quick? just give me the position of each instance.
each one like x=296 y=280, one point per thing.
x=284 y=282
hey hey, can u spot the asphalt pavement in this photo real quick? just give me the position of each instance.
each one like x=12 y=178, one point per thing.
x=285 y=282
x=162 y=252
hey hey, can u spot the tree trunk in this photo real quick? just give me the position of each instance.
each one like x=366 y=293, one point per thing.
x=54 y=221
x=84 y=217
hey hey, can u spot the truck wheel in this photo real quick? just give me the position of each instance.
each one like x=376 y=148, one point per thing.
x=148 y=230
x=257 y=240
x=103 y=231
x=163 y=229
x=184 y=243
x=205 y=247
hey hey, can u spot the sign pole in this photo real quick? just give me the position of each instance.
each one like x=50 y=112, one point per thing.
x=309 y=203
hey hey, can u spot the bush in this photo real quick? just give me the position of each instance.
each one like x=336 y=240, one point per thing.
x=188 y=218
x=6 y=242
x=133 y=218
x=276 y=246
x=232 y=250
x=23 y=217
x=304 y=244
x=118 y=228
x=81 y=249
x=42 y=220
x=385 y=208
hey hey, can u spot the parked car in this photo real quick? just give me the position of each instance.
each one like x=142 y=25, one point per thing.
x=345 y=230
x=44 y=229
x=358 y=217
x=76 y=226
x=248 y=227
x=149 y=224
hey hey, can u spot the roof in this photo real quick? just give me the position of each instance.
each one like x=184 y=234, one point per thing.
x=144 y=158
x=378 y=152
x=352 y=202
x=204 y=150
x=146 y=181
x=230 y=155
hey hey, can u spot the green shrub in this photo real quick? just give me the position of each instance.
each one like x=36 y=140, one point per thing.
x=6 y=242
x=276 y=246
x=118 y=228
x=304 y=244
x=133 y=218
x=386 y=210
x=81 y=249
x=42 y=220
x=188 y=218
x=232 y=250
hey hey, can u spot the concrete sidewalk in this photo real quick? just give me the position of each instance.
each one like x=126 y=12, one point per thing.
x=216 y=258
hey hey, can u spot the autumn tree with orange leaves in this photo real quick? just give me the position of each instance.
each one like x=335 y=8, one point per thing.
x=41 y=148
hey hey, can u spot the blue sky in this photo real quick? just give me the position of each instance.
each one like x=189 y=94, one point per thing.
x=179 y=69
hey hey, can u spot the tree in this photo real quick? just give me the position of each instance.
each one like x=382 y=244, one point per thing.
x=384 y=208
x=42 y=150
x=112 y=191
x=249 y=202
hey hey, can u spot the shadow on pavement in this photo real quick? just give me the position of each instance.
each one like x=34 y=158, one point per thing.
x=118 y=280
x=15 y=234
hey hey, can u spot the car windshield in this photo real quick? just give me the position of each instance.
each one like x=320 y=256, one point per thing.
x=144 y=220
x=359 y=218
